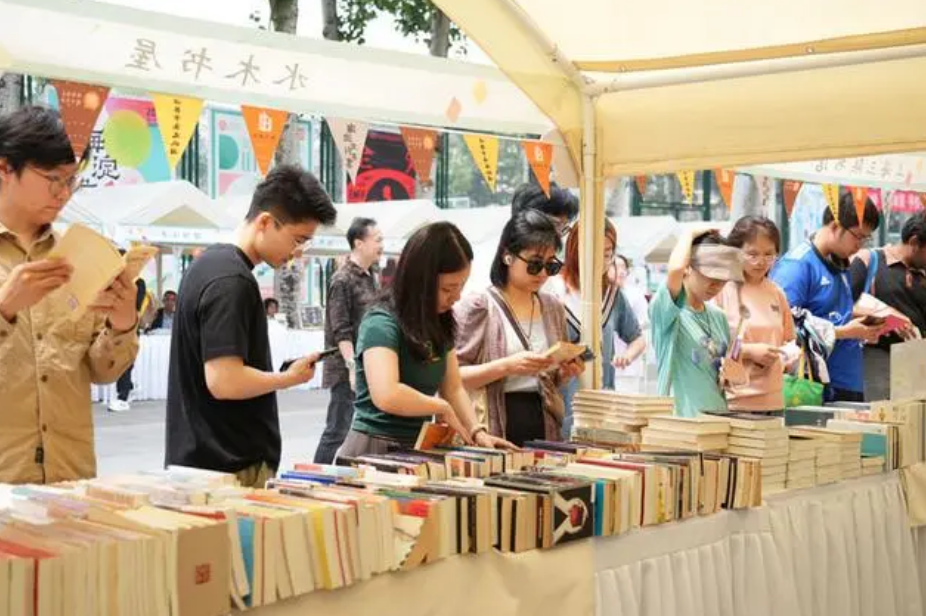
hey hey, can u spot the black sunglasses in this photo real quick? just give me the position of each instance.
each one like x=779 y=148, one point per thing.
x=535 y=266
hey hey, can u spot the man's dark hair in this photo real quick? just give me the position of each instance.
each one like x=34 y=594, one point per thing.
x=170 y=294
x=358 y=230
x=711 y=238
x=914 y=228
x=438 y=248
x=292 y=195
x=848 y=218
x=526 y=229
x=560 y=203
x=270 y=302
x=34 y=136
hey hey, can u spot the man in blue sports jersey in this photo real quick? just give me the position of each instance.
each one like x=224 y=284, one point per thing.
x=815 y=277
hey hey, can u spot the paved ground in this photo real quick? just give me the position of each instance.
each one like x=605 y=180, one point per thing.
x=135 y=440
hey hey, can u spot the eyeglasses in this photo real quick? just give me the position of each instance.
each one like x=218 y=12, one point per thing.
x=298 y=243
x=535 y=266
x=755 y=259
x=864 y=240
x=59 y=186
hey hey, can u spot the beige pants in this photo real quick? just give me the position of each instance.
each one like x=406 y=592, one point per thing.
x=255 y=476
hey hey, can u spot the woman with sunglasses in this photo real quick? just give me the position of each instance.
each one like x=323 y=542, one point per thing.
x=758 y=312
x=505 y=331
x=617 y=318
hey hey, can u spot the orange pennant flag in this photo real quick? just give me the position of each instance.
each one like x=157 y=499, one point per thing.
x=725 y=185
x=540 y=157
x=860 y=197
x=687 y=180
x=641 y=181
x=831 y=192
x=265 y=126
x=791 y=190
x=80 y=105
x=421 y=143
x=923 y=199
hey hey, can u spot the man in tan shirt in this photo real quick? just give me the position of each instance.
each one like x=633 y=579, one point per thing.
x=47 y=362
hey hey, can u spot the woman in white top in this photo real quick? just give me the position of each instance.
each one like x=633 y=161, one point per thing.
x=504 y=332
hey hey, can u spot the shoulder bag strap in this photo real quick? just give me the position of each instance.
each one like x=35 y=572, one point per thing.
x=873 y=261
x=509 y=315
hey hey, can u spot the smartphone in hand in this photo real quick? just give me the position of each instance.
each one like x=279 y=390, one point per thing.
x=321 y=357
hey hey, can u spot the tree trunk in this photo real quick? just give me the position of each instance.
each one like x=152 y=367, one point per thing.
x=284 y=17
x=11 y=88
x=330 y=30
x=440 y=34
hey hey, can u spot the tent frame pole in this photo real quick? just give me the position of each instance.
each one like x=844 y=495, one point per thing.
x=591 y=228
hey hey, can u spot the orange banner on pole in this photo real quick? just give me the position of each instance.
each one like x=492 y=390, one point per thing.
x=831 y=192
x=177 y=118
x=791 y=189
x=540 y=158
x=80 y=105
x=265 y=126
x=484 y=149
x=687 y=181
x=421 y=143
x=725 y=180
x=860 y=198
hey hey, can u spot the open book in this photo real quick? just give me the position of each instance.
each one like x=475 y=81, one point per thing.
x=97 y=263
x=562 y=352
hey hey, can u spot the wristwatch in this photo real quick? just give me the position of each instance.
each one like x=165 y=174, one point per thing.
x=350 y=363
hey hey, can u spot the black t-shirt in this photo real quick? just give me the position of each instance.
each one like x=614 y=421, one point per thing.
x=896 y=285
x=220 y=313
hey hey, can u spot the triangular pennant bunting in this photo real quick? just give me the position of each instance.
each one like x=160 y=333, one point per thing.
x=923 y=199
x=831 y=192
x=766 y=186
x=540 y=158
x=265 y=126
x=177 y=118
x=564 y=169
x=725 y=179
x=421 y=143
x=484 y=149
x=791 y=188
x=687 y=181
x=351 y=137
x=860 y=197
x=80 y=105
x=641 y=181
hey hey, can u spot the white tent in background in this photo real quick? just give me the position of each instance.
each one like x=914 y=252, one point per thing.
x=646 y=238
x=479 y=225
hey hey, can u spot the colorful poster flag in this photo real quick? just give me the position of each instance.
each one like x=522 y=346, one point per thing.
x=725 y=180
x=351 y=137
x=80 y=104
x=831 y=192
x=687 y=181
x=177 y=118
x=641 y=182
x=540 y=158
x=484 y=149
x=265 y=126
x=860 y=198
x=421 y=144
x=791 y=189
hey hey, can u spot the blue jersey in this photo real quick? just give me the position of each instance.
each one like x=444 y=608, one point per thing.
x=820 y=286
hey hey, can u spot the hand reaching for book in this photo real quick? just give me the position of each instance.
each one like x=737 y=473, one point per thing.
x=484 y=439
x=29 y=283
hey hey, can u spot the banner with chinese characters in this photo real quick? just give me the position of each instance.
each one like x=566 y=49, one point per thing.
x=80 y=104
x=791 y=188
x=421 y=144
x=386 y=172
x=906 y=202
x=484 y=150
x=831 y=193
x=265 y=126
x=860 y=198
x=540 y=158
x=888 y=171
x=687 y=181
x=725 y=179
x=177 y=117
x=351 y=137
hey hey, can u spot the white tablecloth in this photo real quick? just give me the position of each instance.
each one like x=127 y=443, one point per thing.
x=153 y=362
x=841 y=550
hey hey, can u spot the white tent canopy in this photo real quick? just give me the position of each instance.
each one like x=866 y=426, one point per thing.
x=121 y=47
x=482 y=225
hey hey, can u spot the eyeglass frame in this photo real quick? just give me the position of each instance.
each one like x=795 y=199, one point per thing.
x=760 y=259
x=864 y=241
x=535 y=266
x=296 y=244
x=57 y=185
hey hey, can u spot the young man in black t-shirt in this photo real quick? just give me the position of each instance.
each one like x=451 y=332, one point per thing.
x=221 y=397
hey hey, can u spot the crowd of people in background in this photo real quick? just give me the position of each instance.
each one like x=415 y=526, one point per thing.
x=731 y=318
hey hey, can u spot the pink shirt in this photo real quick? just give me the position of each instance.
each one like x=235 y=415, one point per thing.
x=768 y=321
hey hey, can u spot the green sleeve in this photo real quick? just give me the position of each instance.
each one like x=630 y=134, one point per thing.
x=379 y=329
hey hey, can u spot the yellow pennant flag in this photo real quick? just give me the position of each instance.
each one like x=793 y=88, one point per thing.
x=831 y=192
x=177 y=118
x=687 y=180
x=484 y=149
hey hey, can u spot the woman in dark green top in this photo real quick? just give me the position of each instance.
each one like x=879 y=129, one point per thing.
x=407 y=370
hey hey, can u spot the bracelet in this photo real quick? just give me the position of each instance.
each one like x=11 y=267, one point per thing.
x=479 y=428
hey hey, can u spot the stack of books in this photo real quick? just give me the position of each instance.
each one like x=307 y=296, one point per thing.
x=701 y=433
x=765 y=438
x=829 y=452
x=802 y=463
x=873 y=465
x=848 y=446
x=614 y=418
